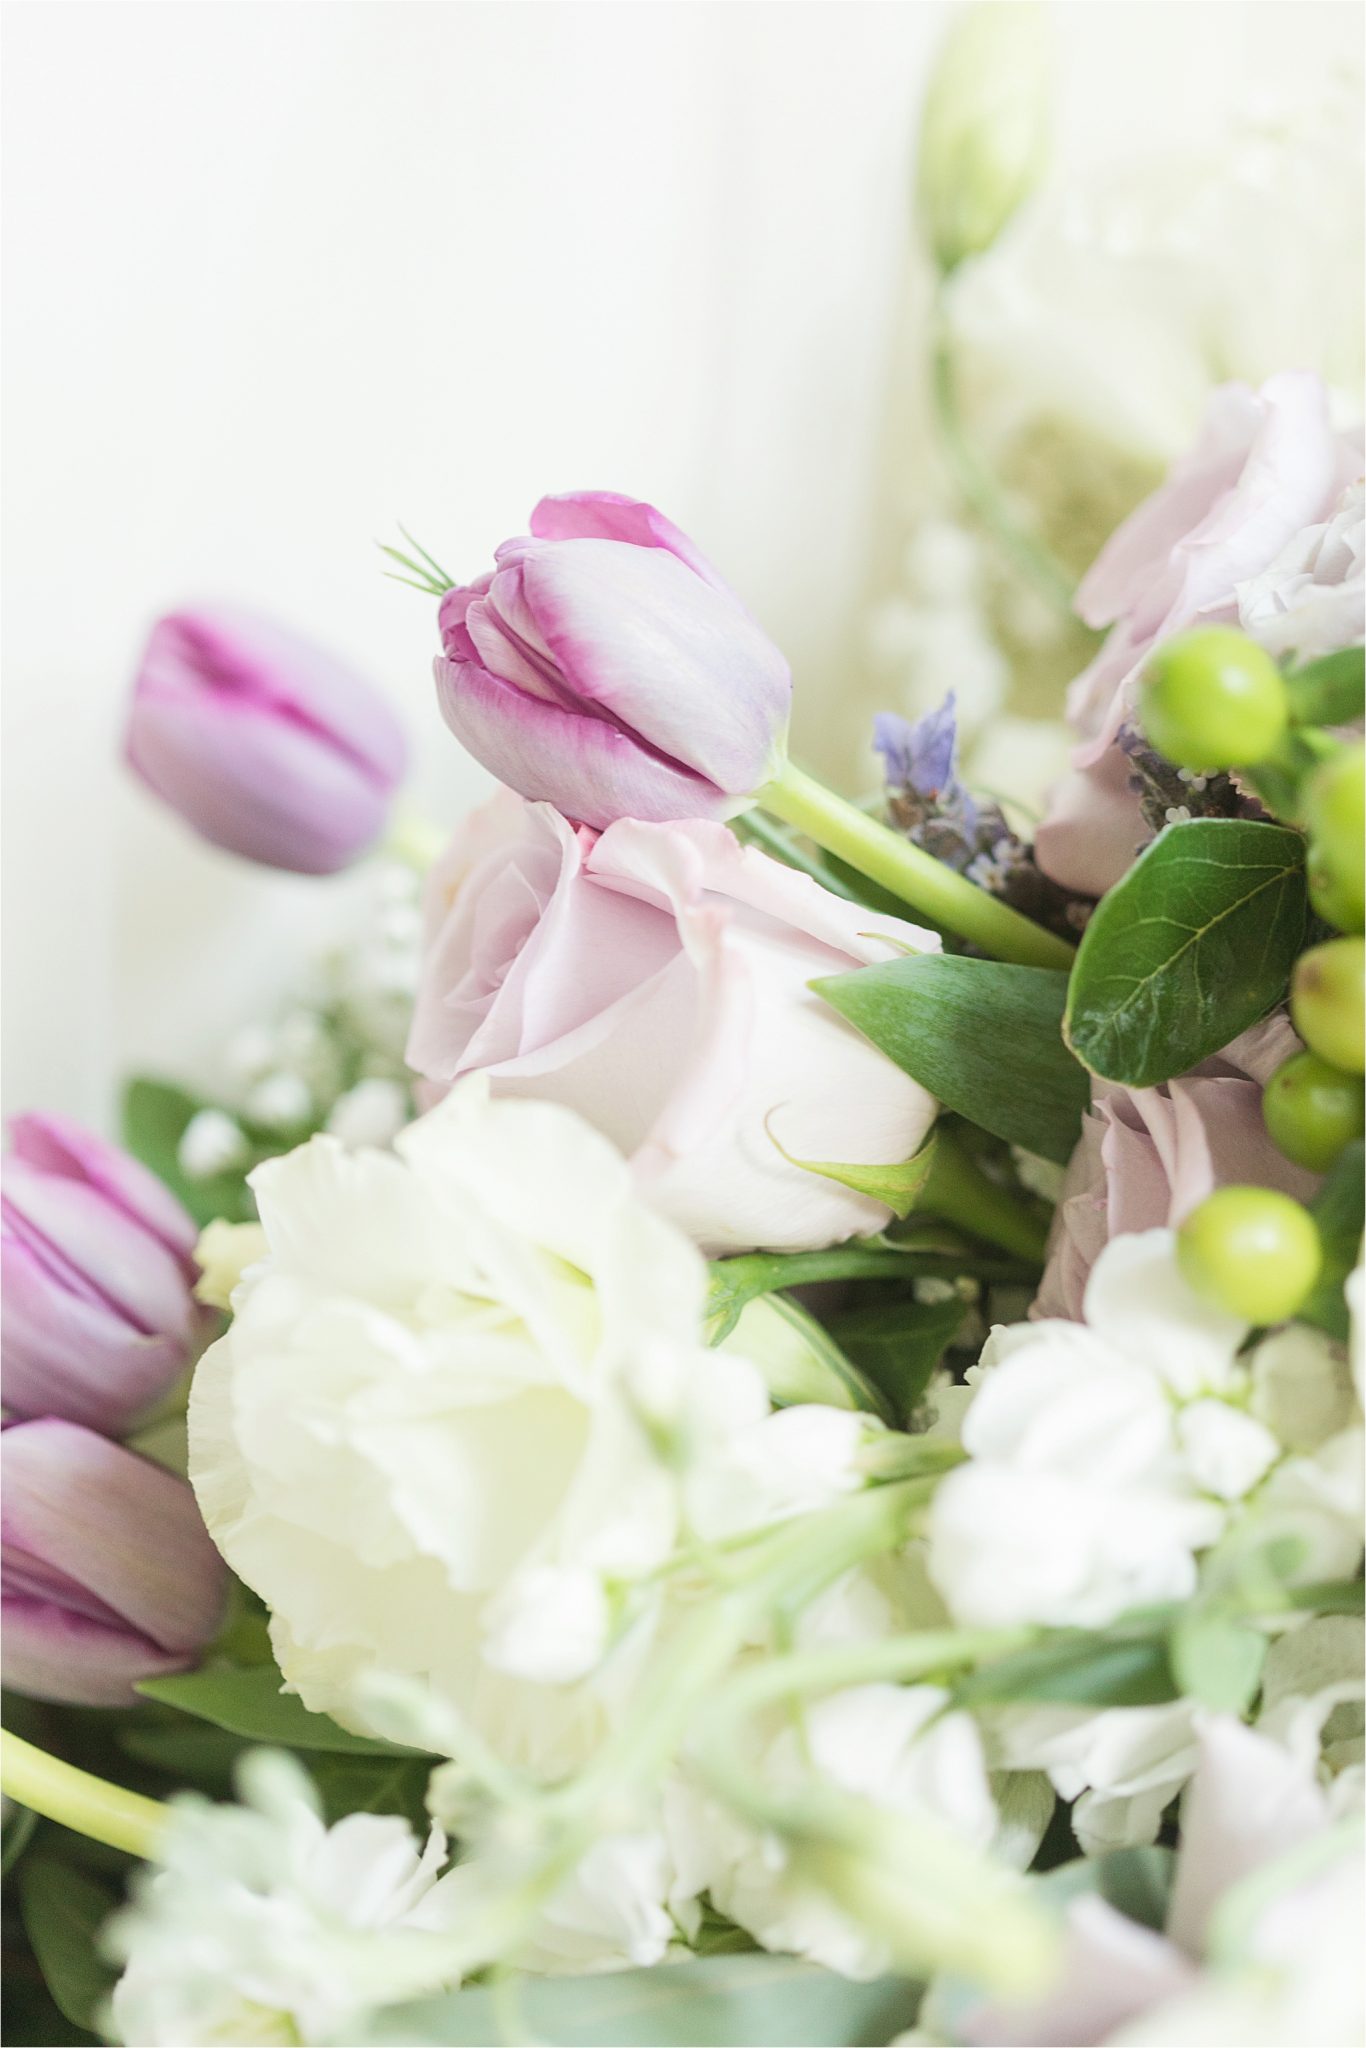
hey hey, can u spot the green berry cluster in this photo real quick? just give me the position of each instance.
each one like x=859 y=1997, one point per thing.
x=1213 y=700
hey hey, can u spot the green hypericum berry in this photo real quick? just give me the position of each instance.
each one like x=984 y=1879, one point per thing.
x=1335 y=816
x=1328 y=1002
x=1252 y=1252
x=1312 y=1110
x=1212 y=698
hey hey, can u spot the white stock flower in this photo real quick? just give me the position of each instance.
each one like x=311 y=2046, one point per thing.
x=1121 y=1766
x=895 y=1746
x=1093 y=1450
x=453 y=1414
x=260 y=1924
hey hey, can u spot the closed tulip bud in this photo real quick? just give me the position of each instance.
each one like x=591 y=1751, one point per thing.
x=107 y=1574
x=984 y=129
x=604 y=667
x=266 y=744
x=96 y=1254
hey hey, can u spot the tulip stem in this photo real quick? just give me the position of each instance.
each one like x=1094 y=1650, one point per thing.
x=922 y=882
x=76 y=1799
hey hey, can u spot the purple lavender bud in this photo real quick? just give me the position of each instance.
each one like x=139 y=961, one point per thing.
x=267 y=744
x=107 y=1573
x=604 y=667
x=96 y=1256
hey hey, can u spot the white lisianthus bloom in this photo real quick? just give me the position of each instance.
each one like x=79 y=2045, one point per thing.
x=260 y=1924
x=454 y=1417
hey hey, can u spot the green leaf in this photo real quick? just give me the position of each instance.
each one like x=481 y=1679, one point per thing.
x=1330 y=691
x=1216 y=1660
x=898 y=1345
x=1082 y=1669
x=982 y=1036
x=1190 y=948
x=155 y=1114
x=799 y=1359
x=249 y=1702
x=745 y=2001
x=1338 y=1212
x=63 y=1913
x=1136 y=1882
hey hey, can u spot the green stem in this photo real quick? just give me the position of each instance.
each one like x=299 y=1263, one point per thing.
x=76 y=1799
x=959 y=1191
x=947 y=899
x=977 y=481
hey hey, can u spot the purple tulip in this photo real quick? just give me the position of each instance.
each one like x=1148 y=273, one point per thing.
x=605 y=667
x=107 y=1573
x=265 y=743
x=96 y=1255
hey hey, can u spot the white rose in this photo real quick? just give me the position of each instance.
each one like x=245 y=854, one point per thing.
x=431 y=1439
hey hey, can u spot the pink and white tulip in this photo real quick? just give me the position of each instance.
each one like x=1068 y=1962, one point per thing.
x=655 y=979
x=604 y=667
x=107 y=1576
x=96 y=1254
x=267 y=744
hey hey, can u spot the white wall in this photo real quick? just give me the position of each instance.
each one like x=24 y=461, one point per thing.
x=280 y=274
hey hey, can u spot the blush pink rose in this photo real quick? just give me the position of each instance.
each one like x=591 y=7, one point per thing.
x=1147 y=1156
x=654 y=978
x=1266 y=475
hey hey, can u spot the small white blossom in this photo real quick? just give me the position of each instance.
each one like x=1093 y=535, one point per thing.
x=371 y=1113
x=211 y=1143
x=281 y=1101
x=260 y=1924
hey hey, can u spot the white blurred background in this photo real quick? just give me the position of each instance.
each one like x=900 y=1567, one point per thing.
x=280 y=275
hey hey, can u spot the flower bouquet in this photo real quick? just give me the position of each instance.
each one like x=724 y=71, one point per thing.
x=739 y=1423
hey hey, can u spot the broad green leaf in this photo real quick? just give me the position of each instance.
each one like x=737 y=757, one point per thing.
x=249 y=1702
x=984 y=1037
x=1216 y=1660
x=63 y=1913
x=155 y=1115
x=899 y=1344
x=1081 y=1669
x=1331 y=691
x=15 y=1835
x=1190 y=948
x=1338 y=1212
x=745 y=2001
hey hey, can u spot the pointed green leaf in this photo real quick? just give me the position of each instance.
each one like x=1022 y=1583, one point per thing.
x=983 y=1036
x=63 y=1913
x=1190 y=948
x=249 y=1702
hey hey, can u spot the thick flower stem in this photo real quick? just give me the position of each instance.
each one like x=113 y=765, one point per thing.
x=958 y=1191
x=90 y=1805
x=922 y=882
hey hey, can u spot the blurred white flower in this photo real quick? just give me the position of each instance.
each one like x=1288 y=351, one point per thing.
x=281 y=1101
x=371 y=1113
x=455 y=1415
x=260 y=1924
x=610 y=1913
x=898 y=1747
x=211 y=1143
x=1121 y=1766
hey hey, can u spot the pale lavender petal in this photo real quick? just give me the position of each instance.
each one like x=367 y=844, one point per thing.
x=57 y=1145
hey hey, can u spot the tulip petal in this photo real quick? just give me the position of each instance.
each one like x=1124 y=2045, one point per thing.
x=57 y=1145
x=116 y=1526
x=69 y=1356
x=591 y=771
x=607 y=515
x=53 y=1654
x=95 y=1251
